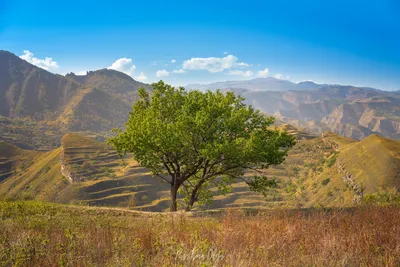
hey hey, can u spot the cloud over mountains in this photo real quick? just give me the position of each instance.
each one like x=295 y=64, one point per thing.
x=47 y=63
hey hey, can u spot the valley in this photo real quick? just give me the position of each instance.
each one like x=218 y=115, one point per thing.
x=84 y=171
x=54 y=129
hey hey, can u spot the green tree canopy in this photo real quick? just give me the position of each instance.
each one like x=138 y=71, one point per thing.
x=192 y=139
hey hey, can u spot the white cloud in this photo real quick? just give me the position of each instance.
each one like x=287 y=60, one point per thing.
x=243 y=64
x=162 y=73
x=124 y=65
x=141 y=77
x=263 y=73
x=81 y=72
x=213 y=64
x=225 y=53
x=47 y=63
x=180 y=71
x=281 y=77
x=173 y=61
x=248 y=73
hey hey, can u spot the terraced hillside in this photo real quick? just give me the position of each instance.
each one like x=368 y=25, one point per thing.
x=36 y=176
x=326 y=170
x=13 y=159
x=99 y=177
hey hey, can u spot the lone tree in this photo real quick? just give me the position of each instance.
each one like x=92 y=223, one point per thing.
x=192 y=140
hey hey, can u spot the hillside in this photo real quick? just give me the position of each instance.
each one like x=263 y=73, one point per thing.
x=86 y=171
x=349 y=111
x=374 y=162
x=13 y=159
x=371 y=115
x=29 y=91
x=113 y=82
x=94 y=111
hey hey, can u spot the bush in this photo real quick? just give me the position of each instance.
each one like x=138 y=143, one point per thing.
x=385 y=197
x=332 y=160
x=131 y=201
x=325 y=181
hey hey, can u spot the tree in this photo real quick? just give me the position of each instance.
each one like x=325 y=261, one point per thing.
x=193 y=139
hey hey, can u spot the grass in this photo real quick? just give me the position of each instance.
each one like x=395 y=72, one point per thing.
x=375 y=162
x=39 y=234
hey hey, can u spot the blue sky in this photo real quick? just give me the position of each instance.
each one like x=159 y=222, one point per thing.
x=347 y=42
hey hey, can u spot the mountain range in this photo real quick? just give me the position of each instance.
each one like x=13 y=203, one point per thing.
x=350 y=111
x=38 y=107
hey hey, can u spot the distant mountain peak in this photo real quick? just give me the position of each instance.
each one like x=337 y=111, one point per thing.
x=103 y=72
x=256 y=84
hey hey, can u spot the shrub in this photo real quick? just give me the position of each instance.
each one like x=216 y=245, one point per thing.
x=325 y=181
x=131 y=201
x=331 y=160
x=384 y=197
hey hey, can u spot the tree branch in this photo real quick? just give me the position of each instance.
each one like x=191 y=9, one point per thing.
x=192 y=171
x=223 y=171
x=165 y=179
x=168 y=169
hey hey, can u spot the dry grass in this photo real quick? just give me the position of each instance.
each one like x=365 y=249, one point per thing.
x=37 y=234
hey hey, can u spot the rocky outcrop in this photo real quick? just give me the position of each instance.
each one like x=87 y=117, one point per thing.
x=330 y=143
x=347 y=177
x=65 y=171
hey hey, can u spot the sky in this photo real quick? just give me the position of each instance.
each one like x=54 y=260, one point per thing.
x=348 y=42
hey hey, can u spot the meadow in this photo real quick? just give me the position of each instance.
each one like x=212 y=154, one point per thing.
x=44 y=234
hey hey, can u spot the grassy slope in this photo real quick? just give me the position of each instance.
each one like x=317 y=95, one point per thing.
x=40 y=180
x=13 y=159
x=374 y=162
x=307 y=179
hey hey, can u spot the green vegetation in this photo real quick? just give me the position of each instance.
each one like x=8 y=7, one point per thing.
x=385 y=197
x=192 y=140
x=325 y=181
x=331 y=160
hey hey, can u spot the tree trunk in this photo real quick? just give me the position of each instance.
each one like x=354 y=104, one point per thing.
x=174 y=193
x=191 y=201
x=193 y=196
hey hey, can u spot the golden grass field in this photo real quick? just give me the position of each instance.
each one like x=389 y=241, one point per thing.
x=39 y=234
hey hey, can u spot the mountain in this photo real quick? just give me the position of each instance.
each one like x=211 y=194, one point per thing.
x=29 y=91
x=372 y=115
x=350 y=111
x=112 y=82
x=258 y=84
x=326 y=169
x=38 y=107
